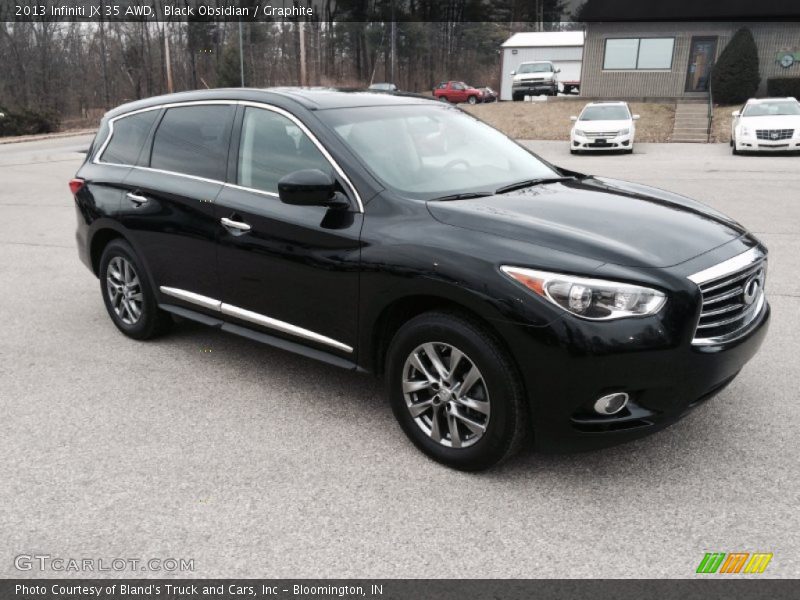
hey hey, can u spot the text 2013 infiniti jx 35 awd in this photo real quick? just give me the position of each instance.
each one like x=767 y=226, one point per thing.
x=501 y=297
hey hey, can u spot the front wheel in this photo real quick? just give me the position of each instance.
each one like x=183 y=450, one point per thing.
x=127 y=294
x=455 y=391
x=443 y=99
x=472 y=100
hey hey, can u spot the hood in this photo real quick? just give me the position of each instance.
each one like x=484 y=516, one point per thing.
x=776 y=122
x=590 y=126
x=603 y=219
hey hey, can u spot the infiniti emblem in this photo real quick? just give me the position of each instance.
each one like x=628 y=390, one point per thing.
x=751 y=288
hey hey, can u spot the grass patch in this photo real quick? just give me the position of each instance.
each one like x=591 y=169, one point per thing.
x=550 y=120
x=721 y=125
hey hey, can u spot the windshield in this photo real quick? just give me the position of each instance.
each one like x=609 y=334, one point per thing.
x=612 y=112
x=535 y=68
x=771 y=109
x=427 y=151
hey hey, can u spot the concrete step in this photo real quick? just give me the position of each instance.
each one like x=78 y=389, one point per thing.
x=689 y=140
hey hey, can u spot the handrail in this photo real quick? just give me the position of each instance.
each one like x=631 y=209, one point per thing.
x=710 y=105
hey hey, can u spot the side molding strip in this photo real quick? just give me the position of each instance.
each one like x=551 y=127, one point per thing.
x=253 y=317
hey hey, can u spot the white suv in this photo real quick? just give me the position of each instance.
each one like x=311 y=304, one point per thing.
x=603 y=126
x=768 y=124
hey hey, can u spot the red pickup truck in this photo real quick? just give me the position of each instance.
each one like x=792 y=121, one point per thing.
x=457 y=91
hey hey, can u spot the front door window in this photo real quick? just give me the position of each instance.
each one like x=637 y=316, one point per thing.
x=701 y=59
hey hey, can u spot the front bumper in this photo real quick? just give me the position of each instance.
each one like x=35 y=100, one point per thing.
x=569 y=364
x=533 y=87
x=752 y=144
x=619 y=142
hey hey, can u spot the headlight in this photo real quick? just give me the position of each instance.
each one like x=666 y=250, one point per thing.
x=625 y=131
x=580 y=132
x=593 y=299
x=743 y=130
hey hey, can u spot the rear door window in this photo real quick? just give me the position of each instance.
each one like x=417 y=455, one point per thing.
x=128 y=138
x=272 y=146
x=193 y=140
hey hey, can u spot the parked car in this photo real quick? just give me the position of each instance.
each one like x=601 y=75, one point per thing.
x=534 y=78
x=499 y=295
x=383 y=87
x=766 y=125
x=457 y=91
x=489 y=95
x=603 y=126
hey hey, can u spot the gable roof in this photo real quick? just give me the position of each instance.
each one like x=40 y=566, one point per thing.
x=528 y=39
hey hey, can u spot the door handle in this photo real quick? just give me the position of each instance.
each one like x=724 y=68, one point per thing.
x=231 y=224
x=136 y=198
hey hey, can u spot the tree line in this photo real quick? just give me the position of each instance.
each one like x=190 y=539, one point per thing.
x=78 y=69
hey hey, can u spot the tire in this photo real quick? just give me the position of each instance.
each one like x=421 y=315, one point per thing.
x=516 y=98
x=472 y=100
x=136 y=315
x=734 y=151
x=572 y=151
x=443 y=99
x=496 y=397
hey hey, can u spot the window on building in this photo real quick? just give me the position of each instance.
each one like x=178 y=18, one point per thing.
x=128 y=137
x=193 y=140
x=638 y=53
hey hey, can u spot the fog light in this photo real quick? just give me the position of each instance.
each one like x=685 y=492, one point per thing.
x=611 y=404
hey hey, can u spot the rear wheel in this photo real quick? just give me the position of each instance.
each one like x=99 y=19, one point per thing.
x=455 y=391
x=127 y=294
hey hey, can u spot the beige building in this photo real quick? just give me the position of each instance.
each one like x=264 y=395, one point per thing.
x=672 y=60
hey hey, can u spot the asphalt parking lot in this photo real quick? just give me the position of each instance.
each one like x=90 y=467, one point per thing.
x=255 y=462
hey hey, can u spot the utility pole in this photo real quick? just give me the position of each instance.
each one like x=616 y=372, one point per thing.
x=241 y=55
x=303 y=80
x=167 y=61
x=394 y=48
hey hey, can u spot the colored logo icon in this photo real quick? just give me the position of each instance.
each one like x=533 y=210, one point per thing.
x=734 y=562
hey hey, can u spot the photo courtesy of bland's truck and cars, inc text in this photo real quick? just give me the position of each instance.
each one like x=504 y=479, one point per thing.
x=399 y=299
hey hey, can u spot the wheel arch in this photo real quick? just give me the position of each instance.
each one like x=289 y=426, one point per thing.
x=405 y=308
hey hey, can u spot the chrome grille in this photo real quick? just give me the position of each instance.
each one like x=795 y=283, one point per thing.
x=733 y=296
x=774 y=134
x=593 y=134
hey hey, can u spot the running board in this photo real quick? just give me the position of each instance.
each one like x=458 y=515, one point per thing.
x=264 y=338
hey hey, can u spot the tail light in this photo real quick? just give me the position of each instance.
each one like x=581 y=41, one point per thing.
x=75 y=185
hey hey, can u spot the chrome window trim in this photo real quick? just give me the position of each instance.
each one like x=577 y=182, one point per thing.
x=253 y=317
x=728 y=267
x=262 y=105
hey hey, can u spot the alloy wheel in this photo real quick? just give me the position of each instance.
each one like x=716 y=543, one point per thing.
x=124 y=290
x=446 y=395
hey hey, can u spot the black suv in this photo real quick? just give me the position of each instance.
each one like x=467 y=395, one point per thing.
x=500 y=296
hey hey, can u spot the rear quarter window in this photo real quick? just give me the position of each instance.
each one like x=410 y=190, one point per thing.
x=128 y=137
x=193 y=140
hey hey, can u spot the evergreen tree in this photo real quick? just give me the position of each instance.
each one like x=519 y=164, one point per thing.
x=735 y=77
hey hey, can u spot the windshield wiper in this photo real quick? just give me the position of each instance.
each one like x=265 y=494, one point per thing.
x=465 y=196
x=530 y=183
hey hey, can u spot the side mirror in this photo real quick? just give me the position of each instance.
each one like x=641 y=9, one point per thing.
x=735 y=113
x=309 y=187
x=635 y=117
x=558 y=70
x=513 y=72
x=573 y=118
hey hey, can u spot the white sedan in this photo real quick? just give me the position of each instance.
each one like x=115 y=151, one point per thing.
x=603 y=126
x=767 y=124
